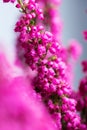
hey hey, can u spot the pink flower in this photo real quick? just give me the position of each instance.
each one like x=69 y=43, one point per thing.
x=75 y=49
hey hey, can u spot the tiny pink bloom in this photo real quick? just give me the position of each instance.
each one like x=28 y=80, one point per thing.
x=75 y=49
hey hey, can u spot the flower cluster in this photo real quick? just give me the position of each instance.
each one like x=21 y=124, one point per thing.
x=40 y=51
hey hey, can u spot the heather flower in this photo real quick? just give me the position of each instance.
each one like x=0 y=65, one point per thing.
x=41 y=52
x=75 y=49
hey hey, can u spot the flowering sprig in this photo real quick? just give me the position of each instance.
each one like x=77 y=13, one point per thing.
x=40 y=51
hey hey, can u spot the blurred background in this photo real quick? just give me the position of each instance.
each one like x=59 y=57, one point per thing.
x=74 y=16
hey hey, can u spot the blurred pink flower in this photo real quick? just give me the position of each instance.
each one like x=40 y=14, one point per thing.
x=75 y=49
x=20 y=108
